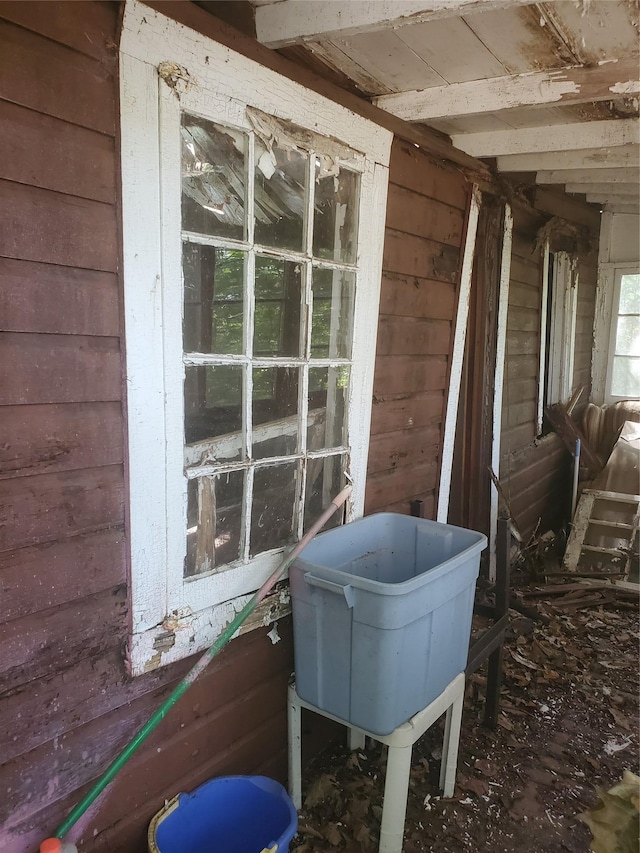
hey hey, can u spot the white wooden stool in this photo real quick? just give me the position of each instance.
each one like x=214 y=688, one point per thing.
x=400 y=743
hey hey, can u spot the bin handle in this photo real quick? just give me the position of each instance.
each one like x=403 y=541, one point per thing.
x=330 y=586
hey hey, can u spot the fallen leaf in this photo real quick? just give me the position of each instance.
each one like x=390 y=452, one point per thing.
x=614 y=821
x=332 y=834
x=321 y=789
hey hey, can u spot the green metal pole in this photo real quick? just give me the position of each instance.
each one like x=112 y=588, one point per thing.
x=194 y=673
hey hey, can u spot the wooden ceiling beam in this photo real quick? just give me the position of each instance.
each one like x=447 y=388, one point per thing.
x=298 y=21
x=619 y=207
x=585 y=176
x=571 y=85
x=609 y=198
x=555 y=137
x=591 y=158
x=628 y=190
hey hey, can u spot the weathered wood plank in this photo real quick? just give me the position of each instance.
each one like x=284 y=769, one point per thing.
x=407 y=296
x=59 y=22
x=416 y=256
x=524 y=296
x=42 y=225
x=39 y=577
x=405 y=374
x=519 y=343
x=412 y=169
x=52 y=640
x=403 y=483
x=521 y=367
x=52 y=154
x=403 y=507
x=56 y=80
x=525 y=270
x=50 y=507
x=406 y=411
x=405 y=447
x=514 y=438
x=58 y=369
x=48 y=438
x=411 y=213
x=519 y=412
x=520 y=390
x=60 y=300
x=523 y=319
x=413 y=336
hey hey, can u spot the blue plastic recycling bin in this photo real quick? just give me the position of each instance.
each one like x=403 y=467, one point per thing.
x=232 y=814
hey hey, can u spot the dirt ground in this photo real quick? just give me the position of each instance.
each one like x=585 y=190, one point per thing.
x=568 y=728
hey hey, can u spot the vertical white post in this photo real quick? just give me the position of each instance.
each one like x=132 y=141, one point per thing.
x=501 y=345
x=294 y=727
x=543 y=338
x=394 y=807
x=455 y=374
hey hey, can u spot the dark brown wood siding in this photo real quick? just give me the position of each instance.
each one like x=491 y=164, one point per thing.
x=535 y=470
x=67 y=705
x=422 y=255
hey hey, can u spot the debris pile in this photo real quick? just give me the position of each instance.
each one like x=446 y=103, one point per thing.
x=567 y=730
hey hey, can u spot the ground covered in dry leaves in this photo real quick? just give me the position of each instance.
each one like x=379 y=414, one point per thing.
x=568 y=727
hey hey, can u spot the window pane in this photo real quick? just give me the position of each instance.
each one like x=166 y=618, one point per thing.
x=335 y=217
x=277 y=308
x=629 y=294
x=325 y=479
x=213 y=178
x=275 y=411
x=280 y=197
x=274 y=495
x=213 y=410
x=213 y=299
x=328 y=390
x=214 y=522
x=332 y=320
x=628 y=336
x=625 y=379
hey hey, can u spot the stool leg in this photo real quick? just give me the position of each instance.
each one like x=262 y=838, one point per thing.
x=355 y=738
x=294 y=725
x=394 y=807
x=450 y=747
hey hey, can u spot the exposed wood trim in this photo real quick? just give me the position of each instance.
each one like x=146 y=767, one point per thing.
x=585 y=176
x=571 y=209
x=543 y=337
x=571 y=85
x=431 y=141
x=455 y=372
x=602 y=313
x=622 y=208
x=610 y=198
x=590 y=158
x=501 y=344
x=628 y=191
x=297 y=21
x=556 y=137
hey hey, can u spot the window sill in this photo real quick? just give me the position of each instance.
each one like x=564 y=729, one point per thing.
x=180 y=636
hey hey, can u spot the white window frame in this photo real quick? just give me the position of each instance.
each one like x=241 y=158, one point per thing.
x=615 y=281
x=172 y=616
x=555 y=382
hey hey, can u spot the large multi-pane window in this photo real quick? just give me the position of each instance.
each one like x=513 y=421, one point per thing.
x=623 y=375
x=269 y=270
x=253 y=225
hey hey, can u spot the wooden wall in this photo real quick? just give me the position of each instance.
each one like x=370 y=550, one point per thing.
x=67 y=705
x=422 y=254
x=535 y=470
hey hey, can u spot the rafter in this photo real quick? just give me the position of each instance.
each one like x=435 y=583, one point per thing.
x=591 y=158
x=608 y=198
x=619 y=207
x=298 y=21
x=628 y=190
x=571 y=85
x=585 y=176
x=556 y=137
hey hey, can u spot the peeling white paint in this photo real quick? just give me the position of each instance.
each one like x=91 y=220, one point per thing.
x=631 y=87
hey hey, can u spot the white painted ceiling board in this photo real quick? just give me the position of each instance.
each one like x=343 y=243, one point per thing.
x=385 y=57
x=451 y=49
x=598 y=29
x=471 y=124
x=336 y=58
x=518 y=41
x=589 y=158
x=611 y=176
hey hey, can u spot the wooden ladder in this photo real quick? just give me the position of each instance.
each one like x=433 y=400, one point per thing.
x=602 y=516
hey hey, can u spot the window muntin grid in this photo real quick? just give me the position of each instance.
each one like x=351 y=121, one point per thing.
x=258 y=354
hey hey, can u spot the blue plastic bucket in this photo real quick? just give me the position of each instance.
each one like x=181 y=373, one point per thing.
x=232 y=814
